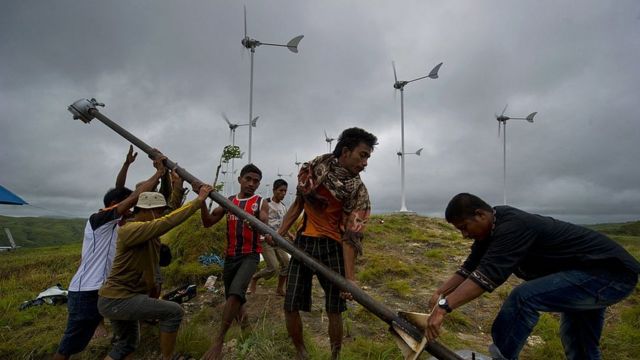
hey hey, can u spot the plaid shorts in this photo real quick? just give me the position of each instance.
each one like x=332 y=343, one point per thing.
x=298 y=296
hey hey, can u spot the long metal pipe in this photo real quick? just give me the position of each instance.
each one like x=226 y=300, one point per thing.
x=86 y=110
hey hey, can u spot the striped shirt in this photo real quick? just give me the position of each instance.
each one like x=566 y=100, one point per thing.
x=241 y=238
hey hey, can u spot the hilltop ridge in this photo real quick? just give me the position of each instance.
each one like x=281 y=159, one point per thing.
x=405 y=258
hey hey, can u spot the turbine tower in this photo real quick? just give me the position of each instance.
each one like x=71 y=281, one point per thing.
x=298 y=163
x=502 y=122
x=252 y=44
x=399 y=85
x=232 y=133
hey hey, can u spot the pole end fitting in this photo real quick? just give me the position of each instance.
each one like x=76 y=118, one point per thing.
x=82 y=108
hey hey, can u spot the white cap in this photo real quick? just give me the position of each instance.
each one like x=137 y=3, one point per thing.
x=151 y=200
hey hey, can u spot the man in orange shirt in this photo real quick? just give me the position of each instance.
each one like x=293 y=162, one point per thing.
x=336 y=207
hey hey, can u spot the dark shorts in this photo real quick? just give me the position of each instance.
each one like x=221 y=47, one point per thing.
x=298 y=296
x=82 y=321
x=237 y=273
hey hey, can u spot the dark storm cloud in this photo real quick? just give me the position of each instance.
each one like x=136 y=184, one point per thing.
x=166 y=70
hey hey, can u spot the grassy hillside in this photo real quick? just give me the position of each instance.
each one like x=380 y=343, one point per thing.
x=622 y=229
x=405 y=258
x=38 y=231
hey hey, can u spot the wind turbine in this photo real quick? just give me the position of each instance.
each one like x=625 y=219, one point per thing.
x=232 y=133
x=252 y=44
x=417 y=152
x=298 y=163
x=502 y=122
x=400 y=154
x=399 y=85
x=328 y=139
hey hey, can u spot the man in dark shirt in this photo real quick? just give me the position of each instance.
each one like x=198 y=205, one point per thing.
x=568 y=269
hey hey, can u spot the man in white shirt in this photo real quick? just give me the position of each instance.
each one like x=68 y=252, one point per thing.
x=98 y=251
x=273 y=255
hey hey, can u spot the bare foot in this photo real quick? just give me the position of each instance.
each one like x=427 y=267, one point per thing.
x=101 y=332
x=252 y=286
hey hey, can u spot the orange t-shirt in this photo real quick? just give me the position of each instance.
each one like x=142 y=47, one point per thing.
x=324 y=223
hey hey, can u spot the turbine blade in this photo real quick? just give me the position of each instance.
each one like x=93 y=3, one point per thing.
x=530 y=116
x=419 y=151
x=224 y=116
x=245 y=21
x=395 y=77
x=433 y=74
x=254 y=121
x=499 y=126
x=505 y=109
x=292 y=45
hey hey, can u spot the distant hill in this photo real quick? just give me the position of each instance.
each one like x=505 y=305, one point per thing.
x=40 y=231
x=625 y=229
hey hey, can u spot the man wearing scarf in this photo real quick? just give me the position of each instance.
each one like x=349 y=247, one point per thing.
x=336 y=207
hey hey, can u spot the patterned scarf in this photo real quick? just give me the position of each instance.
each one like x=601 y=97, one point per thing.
x=345 y=187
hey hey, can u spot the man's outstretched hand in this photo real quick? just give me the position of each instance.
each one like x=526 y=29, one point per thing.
x=131 y=156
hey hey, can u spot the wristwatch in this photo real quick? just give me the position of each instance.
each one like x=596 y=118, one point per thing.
x=443 y=304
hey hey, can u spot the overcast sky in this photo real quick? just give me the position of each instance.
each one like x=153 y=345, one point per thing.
x=167 y=69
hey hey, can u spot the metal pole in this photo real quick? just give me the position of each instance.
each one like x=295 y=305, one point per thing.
x=403 y=205
x=233 y=165
x=85 y=110
x=253 y=50
x=504 y=165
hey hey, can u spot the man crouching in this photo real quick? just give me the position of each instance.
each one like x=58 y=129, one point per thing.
x=124 y=297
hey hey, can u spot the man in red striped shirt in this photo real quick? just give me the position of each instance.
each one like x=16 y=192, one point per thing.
x=243 y=250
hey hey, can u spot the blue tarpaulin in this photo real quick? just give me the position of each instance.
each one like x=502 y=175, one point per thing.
x=7 y=197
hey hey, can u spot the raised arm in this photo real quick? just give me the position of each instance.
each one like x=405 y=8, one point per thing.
x=165 y=186
x=177 y=191
x=121 y=179
x=147 y=185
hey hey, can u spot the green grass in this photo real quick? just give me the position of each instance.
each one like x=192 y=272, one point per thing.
x=406 y=257
x=38 y=232
x=25 y=273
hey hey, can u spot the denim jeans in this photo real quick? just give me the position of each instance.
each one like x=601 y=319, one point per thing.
x=581 y=296
x=82 y=322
